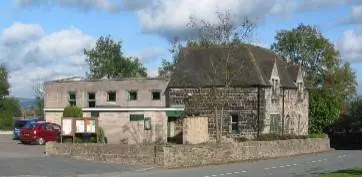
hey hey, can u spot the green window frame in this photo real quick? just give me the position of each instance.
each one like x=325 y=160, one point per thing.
x=136 y=117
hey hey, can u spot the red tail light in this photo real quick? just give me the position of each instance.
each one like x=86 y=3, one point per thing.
x=34 y=132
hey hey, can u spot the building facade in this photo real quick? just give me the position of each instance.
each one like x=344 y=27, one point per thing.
x=122 y=106
x=253 y=92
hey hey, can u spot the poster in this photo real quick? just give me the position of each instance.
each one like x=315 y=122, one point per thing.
x=79 y=124
x=67 y=126
x=91 y=126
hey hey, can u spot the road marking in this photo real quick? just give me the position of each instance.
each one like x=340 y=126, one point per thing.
x=325 y=159
x=229 y=173
x=266 y=168
x=213 y=175
x=145 y=169
x=221 y=174
x=244 y=171
x=319 y=160
x=339 y=156
x=288 y=165
x=281 y=166
x=295 y=164
x=314 y=161
x=274 y=167
x=236 y=172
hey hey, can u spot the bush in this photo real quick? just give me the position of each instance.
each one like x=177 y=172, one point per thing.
x=240 y=139
x=72 y=111
x=101 y=137
x=272 y=137
x=10 y=108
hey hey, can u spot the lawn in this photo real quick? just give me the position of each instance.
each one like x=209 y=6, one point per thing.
x=355 y=172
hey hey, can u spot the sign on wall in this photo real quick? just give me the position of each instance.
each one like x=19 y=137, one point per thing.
x=79 y=124
x=91 y=126
x=67 y=126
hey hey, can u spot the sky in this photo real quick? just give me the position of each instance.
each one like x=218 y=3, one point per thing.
x=44 y=40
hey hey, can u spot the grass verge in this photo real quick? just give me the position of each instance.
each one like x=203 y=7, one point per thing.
x=353 y=172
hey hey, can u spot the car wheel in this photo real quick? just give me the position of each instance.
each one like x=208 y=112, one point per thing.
x=40 y=141
x=22 y=142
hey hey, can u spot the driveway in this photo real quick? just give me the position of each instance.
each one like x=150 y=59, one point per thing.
x=29 y=160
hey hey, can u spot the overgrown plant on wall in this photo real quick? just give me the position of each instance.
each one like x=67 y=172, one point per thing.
x=72 y=111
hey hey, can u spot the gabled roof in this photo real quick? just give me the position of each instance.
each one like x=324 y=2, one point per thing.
x=293 y=71
x=249 y=66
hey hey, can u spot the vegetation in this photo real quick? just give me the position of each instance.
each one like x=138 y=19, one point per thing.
x=331 y=82
x=101 y=136
x=72 y=111
x=355 y=172
x=272 y=137
x=39 y=100
x=10 y=108
x=107 y=60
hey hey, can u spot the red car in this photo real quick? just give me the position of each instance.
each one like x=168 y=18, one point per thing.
x=40 y=133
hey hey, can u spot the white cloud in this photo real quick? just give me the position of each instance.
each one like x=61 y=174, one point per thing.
x=20 y=33
x=315 y=4
x=148 y=54
x=355 y=17
x=169 y=18
x=85 y=5
x=43 y=56
x=350 y=46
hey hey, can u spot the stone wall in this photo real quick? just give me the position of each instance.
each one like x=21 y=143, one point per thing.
x=240 y=101
x=176 y=156
x=199 y=155
x=122 y=154
x=195 y=130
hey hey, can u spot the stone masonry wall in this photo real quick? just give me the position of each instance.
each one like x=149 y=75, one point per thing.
x=176 y=156
x=240 y=101
x=295 y=111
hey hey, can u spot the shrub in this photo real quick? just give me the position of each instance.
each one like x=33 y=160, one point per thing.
x=72 y=111
x=101 y=137
x=272 y=137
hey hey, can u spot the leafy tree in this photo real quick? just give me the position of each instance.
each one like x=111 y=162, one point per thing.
x=355 y=109
x=320 y=60
x=323 y=110
x=39 y=100
x=333 y=82
x=11 y=108
x=4 y=84
x=106 y=59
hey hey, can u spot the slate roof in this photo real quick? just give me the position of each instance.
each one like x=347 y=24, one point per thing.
x=293 y=72
x=248 y=66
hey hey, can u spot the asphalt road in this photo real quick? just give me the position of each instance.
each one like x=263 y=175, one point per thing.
x=28 y=160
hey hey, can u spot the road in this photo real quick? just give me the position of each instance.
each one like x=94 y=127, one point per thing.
x=17 y=160
x=20 y=160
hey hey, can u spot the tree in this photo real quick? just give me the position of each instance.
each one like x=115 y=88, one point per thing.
x=319 y=59
x=333 y=83
x=106 y=59
x=4 y=84
x=11 y=108
x=39 y=99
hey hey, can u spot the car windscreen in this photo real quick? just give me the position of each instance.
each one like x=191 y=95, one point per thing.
x=30 y=125
x=19 y=124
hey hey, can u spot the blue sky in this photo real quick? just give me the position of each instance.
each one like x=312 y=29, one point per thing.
x=44 y=39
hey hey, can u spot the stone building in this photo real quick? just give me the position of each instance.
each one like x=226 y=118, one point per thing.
x=251 y=88
x=122 y=106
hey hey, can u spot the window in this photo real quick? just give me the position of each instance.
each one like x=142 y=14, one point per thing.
x=275 y=123
x=133 y=95
x=275 y=88
x=91 y=99
x=300 y=89
x=72 y=98
x=136 y=117
x=234 y=123
x=112 y=96
x=156 y=95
